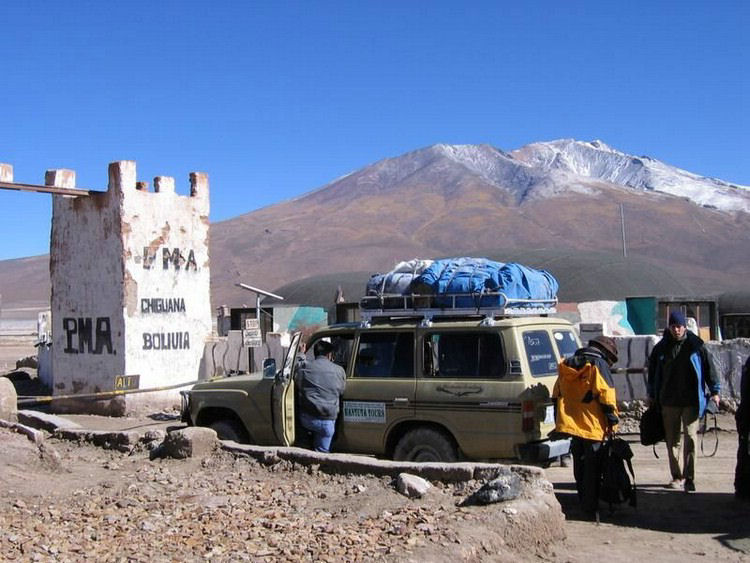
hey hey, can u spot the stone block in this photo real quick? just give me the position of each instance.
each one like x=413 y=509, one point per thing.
x=193 y=441
x=412 y=486
x=501 y=489
x=8 y=400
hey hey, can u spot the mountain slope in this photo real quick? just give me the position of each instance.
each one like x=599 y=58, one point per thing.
x=563 y=196
x=443 y=200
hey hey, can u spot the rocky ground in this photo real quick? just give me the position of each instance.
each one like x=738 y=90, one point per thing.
x=70 y=501
x=67 y=502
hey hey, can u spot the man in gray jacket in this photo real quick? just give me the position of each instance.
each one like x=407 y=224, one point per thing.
x=322 y=383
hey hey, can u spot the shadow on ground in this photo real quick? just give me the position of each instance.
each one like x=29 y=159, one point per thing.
x=674 y=512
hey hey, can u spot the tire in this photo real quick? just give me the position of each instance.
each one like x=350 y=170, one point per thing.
x=425 y=444
x=228 y=429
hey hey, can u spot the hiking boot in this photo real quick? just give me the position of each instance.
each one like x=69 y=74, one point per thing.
x=675 y=484
x=689 y=486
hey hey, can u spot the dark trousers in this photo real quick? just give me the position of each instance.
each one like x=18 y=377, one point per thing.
x=587 y=467
x=742 y=470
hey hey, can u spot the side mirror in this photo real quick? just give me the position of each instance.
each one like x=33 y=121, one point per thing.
x=269 y=368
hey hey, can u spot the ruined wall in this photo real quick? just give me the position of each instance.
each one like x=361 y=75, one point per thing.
x=166 y=281
x=86 y=270
x=131 y=295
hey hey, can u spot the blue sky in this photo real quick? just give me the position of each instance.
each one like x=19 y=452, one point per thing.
x=273 y=99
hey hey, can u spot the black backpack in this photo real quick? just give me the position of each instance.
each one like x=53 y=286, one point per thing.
x=651 y=426
x=616 y=486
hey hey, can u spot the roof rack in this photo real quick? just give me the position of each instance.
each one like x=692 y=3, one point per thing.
x=488 y=305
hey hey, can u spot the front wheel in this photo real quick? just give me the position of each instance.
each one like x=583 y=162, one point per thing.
x=425 y=445
x=229 y=430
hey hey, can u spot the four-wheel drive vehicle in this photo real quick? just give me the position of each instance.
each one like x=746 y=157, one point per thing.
x=422 y=386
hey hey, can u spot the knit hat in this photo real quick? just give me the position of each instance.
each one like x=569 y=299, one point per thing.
x=606 y=345
x=677 y=318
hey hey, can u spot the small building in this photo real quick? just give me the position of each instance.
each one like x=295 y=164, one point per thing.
x=734 y=314
x=649 y=315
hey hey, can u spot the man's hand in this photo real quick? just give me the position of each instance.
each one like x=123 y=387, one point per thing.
x=715 y=399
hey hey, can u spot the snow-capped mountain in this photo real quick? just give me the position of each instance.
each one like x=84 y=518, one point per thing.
x=542 y=170
x=567 y=199
x=597 y=160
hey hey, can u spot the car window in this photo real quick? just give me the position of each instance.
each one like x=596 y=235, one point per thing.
x=566 y=342
x=463 y=355
x=540 y=353
x=385 y=354
x=342 y=349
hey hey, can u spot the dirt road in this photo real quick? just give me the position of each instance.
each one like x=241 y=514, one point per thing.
x=73 y=499
x=87 y=501
x=667 y=525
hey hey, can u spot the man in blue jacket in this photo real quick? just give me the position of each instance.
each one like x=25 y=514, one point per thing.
x=742 y=470
x=678 y=371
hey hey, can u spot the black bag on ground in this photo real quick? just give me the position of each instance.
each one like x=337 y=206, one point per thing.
x=652 y=426
x=616 y=486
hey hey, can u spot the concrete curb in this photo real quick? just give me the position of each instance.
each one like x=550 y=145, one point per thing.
x=122 y=441
x=334 y=462
x=36 y=436
x=357 y=464
x=44 y=421
x=65 y=429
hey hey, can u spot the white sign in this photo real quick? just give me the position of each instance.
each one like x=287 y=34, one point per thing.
x=358 y=411
x=252 y=338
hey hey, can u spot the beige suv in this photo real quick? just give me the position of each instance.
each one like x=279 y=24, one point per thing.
x=420 y=387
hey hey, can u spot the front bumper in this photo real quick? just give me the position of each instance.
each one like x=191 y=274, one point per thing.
x=544 y=451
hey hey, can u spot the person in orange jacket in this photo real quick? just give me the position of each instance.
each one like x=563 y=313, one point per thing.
x=586 y=410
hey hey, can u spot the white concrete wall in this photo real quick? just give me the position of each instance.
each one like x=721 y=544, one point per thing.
x=88 y=333
x=129 y=267
x=167 y=283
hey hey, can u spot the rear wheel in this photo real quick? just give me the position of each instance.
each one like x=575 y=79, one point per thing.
x=425 y=444
x=228 y=429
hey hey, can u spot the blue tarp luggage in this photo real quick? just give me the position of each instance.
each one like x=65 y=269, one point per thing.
x=396 y=282
x=463 y=282
x=479 y=276
x=474 y=276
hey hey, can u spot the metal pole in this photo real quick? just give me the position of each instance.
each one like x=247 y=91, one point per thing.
x=22 y=400
x=46 y=189
x=622 y=223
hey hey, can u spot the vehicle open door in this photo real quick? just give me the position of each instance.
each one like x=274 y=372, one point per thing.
x=282 y=396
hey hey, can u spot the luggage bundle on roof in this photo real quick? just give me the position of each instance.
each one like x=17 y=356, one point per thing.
x=461 y=286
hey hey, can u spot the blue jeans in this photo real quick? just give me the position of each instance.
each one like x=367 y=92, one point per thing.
x=322 y=431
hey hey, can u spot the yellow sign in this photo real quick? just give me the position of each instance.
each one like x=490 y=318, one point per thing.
x=125 y=382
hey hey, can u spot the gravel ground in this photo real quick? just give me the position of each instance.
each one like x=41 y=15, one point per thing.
x=72 y=502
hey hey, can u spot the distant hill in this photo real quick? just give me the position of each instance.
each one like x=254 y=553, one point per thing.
x=563 y=198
